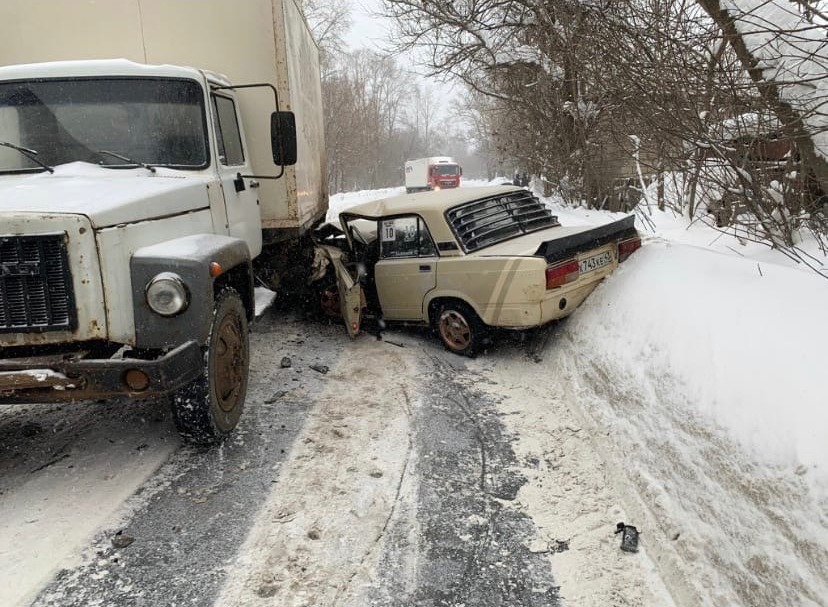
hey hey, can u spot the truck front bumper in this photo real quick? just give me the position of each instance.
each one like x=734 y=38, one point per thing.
x=65 y=378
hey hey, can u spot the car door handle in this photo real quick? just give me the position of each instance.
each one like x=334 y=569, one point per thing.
x=425 y=268
x=253 y=184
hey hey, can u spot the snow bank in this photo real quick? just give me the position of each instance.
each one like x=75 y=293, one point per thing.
x=747 y=347
x=739 y=325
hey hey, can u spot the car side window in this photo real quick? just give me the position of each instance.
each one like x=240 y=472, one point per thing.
x=405 y=237
x=228 y=132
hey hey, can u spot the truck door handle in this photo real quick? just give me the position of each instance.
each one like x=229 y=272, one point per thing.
x=253 y=184
x=425 y=268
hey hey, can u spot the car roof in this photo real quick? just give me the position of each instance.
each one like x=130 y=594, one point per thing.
x=425 y=203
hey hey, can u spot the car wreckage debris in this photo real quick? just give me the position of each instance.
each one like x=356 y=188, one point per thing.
x=629 y=537
x=275 y=397
x=121 y=540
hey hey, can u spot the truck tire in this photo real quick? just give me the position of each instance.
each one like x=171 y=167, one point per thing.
x=459 y=328
x=207 y=409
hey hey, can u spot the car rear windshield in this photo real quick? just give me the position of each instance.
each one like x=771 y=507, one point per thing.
x=491 y=220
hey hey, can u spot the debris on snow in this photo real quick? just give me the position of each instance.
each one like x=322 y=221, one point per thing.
x=629 y=537
x=275 y=397
x=121 y=540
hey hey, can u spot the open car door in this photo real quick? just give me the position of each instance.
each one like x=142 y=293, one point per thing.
x=351 y=297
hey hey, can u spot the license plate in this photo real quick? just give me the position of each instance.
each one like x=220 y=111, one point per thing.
x=596 y=261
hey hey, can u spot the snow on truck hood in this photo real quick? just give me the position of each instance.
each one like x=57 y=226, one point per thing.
x=106 y=196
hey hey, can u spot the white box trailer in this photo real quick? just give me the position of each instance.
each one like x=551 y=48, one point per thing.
x=248 y=41
x=144 y=168
x=432 y=173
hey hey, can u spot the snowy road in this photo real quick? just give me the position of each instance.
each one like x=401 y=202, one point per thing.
x=402 y=476
x=392 y=479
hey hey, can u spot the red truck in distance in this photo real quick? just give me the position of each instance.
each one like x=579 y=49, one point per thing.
x=433 y=173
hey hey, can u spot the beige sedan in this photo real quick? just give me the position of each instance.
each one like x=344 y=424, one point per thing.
x=466 y=260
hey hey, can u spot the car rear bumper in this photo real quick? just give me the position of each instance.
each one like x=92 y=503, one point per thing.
x=556 y=304
x=65 y=378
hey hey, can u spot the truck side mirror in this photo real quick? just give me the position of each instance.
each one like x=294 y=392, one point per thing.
x=283 y=138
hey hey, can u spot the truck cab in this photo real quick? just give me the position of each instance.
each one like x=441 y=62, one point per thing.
x=445 y=175
x=129 y=220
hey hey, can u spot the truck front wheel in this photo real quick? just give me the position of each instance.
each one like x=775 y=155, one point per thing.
x=208 y=408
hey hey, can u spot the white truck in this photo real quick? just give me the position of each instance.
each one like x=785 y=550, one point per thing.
x=151 y=152
x=432 y=173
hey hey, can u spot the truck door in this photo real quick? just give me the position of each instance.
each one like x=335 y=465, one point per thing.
x=243 y=218
x=407 y=268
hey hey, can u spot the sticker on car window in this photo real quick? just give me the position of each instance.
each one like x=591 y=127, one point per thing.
x=388 y=231
x=410 y=232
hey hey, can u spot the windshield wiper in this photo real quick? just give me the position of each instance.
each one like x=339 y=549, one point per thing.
x=144 y=165
x=30 y=154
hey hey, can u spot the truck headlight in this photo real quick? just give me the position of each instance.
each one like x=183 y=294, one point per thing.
x=167 y=295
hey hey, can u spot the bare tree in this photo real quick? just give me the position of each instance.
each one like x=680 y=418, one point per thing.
x=780 y=56
x=329 y=21
x=601 y=97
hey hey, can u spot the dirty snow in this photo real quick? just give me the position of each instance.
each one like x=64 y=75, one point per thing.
x=40 y=375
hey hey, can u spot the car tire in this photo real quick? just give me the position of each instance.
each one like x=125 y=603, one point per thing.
x=460 y=328
x=207 y=409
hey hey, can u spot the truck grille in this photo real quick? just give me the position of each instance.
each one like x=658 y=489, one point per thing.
x=35 y=284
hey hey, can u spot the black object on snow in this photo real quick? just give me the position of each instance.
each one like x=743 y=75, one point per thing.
x=31 y=429
x=319 y=368
x=286 y=362
x=629 y=537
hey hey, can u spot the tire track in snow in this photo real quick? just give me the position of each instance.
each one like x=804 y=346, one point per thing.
x=316 y=536
x=470 y=546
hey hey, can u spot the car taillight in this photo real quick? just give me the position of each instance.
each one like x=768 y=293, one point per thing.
x=561 y=274
x=628 y=247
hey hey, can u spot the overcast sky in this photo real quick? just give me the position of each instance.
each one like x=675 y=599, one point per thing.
x=374 y=32
x=368 y=31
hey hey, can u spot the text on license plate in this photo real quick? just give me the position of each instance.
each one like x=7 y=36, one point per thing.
x=596 y=261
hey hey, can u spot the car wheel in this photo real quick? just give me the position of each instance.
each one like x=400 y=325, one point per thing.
x=460 y=328
x=208 y=408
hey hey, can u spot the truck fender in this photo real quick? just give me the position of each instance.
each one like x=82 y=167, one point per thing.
x=203 y=262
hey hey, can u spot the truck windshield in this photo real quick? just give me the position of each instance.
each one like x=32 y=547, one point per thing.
x=446 y=169
x=149 y=120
